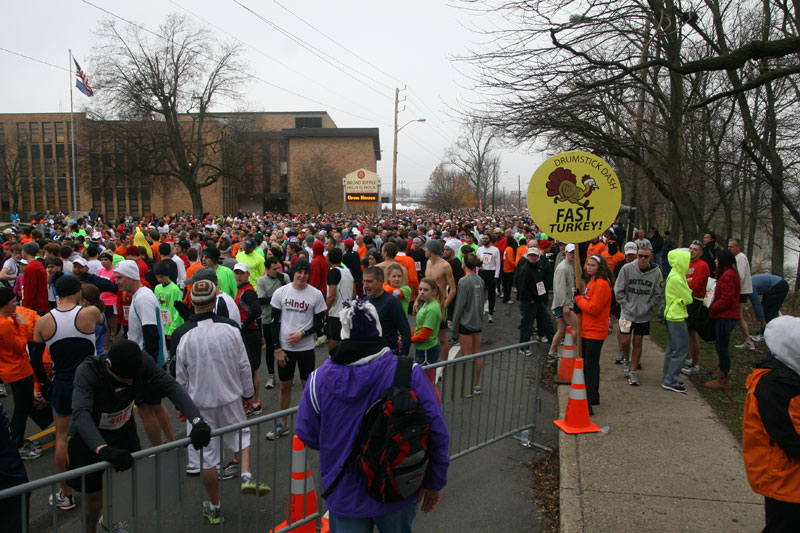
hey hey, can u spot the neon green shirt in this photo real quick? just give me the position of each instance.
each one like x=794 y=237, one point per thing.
x=167 y=296
x=429 y=316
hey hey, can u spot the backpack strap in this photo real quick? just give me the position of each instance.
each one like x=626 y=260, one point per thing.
x=402 y=374
x=402 y=378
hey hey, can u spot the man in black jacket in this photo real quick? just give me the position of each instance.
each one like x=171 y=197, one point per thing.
x=103 y=426
x=533 y=300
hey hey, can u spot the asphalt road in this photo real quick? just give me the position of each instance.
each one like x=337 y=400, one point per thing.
x=488 y=489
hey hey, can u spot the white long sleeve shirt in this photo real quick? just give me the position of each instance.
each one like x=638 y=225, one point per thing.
x=490 y=259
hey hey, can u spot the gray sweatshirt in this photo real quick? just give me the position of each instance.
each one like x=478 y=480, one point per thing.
x=638 y=292
x=469 y=303
x=563 y=283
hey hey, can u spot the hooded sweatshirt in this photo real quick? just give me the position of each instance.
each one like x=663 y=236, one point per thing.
x=331 y=410
x=319 y=269
x=638 y=291
x=678 y=293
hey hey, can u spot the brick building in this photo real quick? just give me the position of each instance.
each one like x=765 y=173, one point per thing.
x=277 y=161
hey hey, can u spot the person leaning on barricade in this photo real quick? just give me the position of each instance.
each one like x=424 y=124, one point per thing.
x=330 y=415
x=103 y=426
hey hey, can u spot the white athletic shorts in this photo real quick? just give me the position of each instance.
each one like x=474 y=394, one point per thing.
x=217 y=418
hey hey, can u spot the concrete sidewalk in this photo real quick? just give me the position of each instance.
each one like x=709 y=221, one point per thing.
x=667 y=463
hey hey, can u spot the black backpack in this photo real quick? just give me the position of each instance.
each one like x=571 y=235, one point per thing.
x=391 y=448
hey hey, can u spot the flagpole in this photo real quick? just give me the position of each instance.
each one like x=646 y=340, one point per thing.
x=72 y=128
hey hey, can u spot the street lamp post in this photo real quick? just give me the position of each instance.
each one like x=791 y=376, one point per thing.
x=394 y=152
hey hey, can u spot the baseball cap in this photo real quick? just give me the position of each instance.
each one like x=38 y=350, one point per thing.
x=81 y=261
x=203 y=273
x=534 y=251
x=569 y=248
x=241 y=267
x=630 y=248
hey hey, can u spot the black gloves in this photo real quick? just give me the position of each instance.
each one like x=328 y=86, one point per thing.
x=200 y=435
x=121 y=459
x=576 y=309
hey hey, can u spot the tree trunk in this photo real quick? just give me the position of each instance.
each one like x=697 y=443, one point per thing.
x=752 y=219
x=778 y=234
x=194 y=194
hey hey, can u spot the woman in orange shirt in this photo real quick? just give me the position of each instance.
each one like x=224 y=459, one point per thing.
x=509 y=265
x=15 y=369
x=594 y=305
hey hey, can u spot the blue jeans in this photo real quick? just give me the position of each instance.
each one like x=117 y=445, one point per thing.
x=538 y=312
x=397 y=522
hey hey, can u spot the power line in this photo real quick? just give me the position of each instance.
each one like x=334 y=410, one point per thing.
x=317 y=52
x=252 y=76
x=33 y=59
x=284 y=65
x=334 y=41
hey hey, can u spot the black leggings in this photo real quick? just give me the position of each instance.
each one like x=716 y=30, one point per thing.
x=508 y=282
x=22 y=392
x=269 y=349
x=590 y=350
x=488 y=280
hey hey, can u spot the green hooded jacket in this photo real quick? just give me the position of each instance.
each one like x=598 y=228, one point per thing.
x=677 y=291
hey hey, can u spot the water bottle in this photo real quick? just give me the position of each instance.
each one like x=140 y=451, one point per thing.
x=526 y=440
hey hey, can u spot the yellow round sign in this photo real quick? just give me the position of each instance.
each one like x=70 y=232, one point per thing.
x=574 y=196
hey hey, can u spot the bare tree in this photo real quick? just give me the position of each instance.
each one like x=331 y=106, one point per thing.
x=319 y=183
x=474 y=156
x=448 y=190
x=171 y=78
x=11 y=174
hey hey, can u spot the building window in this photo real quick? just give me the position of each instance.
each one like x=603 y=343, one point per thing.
x=34 y=131
x=94 y=169
x=59 y=132
x=49 y=163
x=47 y=132
x=63 y=197
x=36 y=161
x=25 y=189
x=307 y=122
x=2 y=133
x=133 y=198
x=22 y=155
x=22 y=132
x=96 y=197
x=145 y=201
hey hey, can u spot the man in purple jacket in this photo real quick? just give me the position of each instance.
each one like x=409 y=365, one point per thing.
x=337 y=396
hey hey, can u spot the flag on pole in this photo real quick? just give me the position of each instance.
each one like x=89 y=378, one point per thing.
x=82 y=81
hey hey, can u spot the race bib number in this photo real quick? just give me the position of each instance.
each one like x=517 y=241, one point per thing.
x=166 y=317
x=417 y=266
x=126 y=311
x=540 y=288
x=115 y=420
x=486 y=259
x=625 y=325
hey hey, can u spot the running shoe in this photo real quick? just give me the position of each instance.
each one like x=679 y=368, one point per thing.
x=116 y=527
x=746 y=346
x=3 y=391
x=322 y=340
x=687 y=363
x=65 y=503
x=620 y=358
x=28 y=452
x=676 y=388
x=552 y=357
x=491 y=319
x=758 y=337
x=249 y=486
x=192 y=470
x=270 y=382
x=255 y=410
x=633 y=379
x=35 y=444
x=626 y=370
x=476 y=390
x=214 y=515
x=525 y=351
x=691 y=370
x=279 y=431
x=230 y=471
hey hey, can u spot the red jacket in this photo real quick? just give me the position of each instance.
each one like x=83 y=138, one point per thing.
x=34 y=287
x=319 y=268
x=726 y=296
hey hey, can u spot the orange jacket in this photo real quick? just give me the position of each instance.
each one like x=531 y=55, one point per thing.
x=596 y=249
x=408 y=262
x=509 y=259
x=14 y=362
x=521 y=251
x=773 y=395
x=595 y=306
x=612 y=260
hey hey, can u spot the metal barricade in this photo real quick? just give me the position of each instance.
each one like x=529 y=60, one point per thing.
x=157 y=495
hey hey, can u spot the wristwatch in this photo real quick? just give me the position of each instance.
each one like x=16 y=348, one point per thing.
x=196 y=420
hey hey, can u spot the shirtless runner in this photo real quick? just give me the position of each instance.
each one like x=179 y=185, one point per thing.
x=440 y=271
x=389 y=252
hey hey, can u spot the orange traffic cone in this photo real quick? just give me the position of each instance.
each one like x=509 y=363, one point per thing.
x=577 y=417
x=303 y=499
x=326 y=524
x=566 y=362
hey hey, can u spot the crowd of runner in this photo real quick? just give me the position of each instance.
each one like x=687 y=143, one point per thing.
x=179 y=288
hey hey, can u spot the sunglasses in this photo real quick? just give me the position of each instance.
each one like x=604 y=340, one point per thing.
x=644 y=256
x=698 y=243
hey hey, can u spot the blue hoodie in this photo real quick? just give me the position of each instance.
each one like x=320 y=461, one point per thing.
x=332 y=407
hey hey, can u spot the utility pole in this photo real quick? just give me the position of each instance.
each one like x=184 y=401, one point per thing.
x=394 y=153
x=519 y=194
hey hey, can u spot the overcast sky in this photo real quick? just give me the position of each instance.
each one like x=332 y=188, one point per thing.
x=378 y=45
